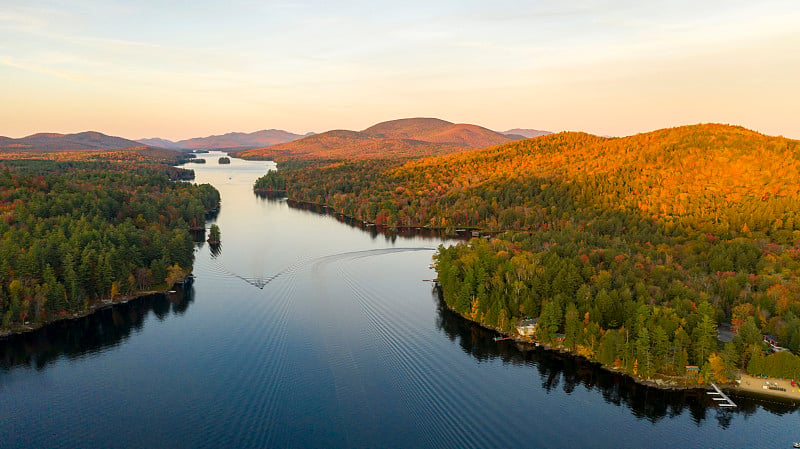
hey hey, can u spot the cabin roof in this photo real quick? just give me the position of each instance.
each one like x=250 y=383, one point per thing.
x=528 y=322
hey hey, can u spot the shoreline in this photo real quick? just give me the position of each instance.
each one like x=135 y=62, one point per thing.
x=757 y=387
x=664 y=383
x=746 y=385
x=654 y=383
x=94 y=308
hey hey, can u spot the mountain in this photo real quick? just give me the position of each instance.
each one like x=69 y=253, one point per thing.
x=161 y=143
x=525 y=133
x=667 y=232
x=232 y=140
x=437 y=131
x=413 y=137
x=707 y=176
x=708 y=173
x=349 y=144
x=88 y=140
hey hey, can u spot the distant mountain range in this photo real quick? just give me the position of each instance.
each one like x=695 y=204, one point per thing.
x=88 y=140
x=410 y=137
x=403 y=138
x=227 y=141
x=525 y=133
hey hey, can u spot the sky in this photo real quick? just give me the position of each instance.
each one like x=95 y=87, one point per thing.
x=182 y=69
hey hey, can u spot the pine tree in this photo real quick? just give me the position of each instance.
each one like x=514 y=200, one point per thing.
x=214 y=235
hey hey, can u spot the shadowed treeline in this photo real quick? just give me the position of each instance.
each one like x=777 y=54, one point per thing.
x=566 y=372
x=101 y=330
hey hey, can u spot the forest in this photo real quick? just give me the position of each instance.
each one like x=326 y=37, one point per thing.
x=630 y=251
x=76 y=233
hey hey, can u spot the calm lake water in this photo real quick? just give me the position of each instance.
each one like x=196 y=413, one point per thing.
x=303 y=331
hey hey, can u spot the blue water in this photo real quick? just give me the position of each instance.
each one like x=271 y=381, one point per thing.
x=303 y=331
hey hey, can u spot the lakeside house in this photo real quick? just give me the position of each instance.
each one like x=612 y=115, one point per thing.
x=527 y=327
x=773 y=344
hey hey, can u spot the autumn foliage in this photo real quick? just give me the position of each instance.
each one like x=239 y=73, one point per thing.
x=643 y=243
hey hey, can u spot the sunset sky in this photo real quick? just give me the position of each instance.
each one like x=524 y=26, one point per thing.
x=193 y=68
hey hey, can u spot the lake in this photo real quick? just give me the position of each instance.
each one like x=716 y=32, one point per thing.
x=304 y=331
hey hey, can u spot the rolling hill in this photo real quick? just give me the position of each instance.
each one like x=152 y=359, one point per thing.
x=234 y=140
x=525 y=132
x=84 y=141
x=437 y=131
x=651 y=239
x=161 y=143
x=702 y=176
x=414 y=137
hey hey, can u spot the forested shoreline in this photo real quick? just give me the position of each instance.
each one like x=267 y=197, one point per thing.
x=78 y=234
x=629 y=251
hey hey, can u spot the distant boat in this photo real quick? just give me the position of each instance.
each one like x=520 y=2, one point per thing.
x=795 y=444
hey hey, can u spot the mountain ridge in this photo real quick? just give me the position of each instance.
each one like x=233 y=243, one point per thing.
x=231 y=140
x=82 y=141
x=409 y=137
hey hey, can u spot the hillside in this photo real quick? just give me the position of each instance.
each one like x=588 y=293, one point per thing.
x=343 y=144
x=161 y=143
x=713 y=175
x=525 y=132
x=45 y=142
x=240 y=140
x=397 y=139
x=233 y=140
x=437 y=131
x=632 y=249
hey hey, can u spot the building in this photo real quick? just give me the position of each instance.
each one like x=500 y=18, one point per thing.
x=527 y=327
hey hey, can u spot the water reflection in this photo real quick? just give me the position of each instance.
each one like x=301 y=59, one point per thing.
x=565 y=372
x=104 y=329
x=216 y=249
x=391 y=233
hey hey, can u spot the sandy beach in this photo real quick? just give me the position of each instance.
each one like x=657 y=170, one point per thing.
x=756 y=385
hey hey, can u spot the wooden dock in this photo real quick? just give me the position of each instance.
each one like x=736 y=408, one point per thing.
x=722 y=399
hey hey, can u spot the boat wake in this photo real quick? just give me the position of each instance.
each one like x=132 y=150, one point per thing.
x=262 y=281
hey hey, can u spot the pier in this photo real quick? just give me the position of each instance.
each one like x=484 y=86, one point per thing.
x=722 y=398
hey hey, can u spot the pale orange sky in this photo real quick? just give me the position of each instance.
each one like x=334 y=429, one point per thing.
x=146 y=69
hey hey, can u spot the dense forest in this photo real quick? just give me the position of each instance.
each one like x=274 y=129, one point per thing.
x=272 y=182
x=77 y=233
x=630 y=251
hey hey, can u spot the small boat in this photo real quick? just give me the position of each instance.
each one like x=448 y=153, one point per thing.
x=795 y=444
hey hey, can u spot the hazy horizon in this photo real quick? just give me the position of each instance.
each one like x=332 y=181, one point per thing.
x=617 y=68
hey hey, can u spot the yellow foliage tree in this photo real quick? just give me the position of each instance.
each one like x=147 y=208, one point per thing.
x=719 y=372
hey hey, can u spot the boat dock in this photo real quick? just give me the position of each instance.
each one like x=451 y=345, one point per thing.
x=722 y=398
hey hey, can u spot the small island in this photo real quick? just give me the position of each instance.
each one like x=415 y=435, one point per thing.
x=214 y=235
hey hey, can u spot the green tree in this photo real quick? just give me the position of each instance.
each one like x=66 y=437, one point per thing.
x=549 y=321
x=214 y=234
